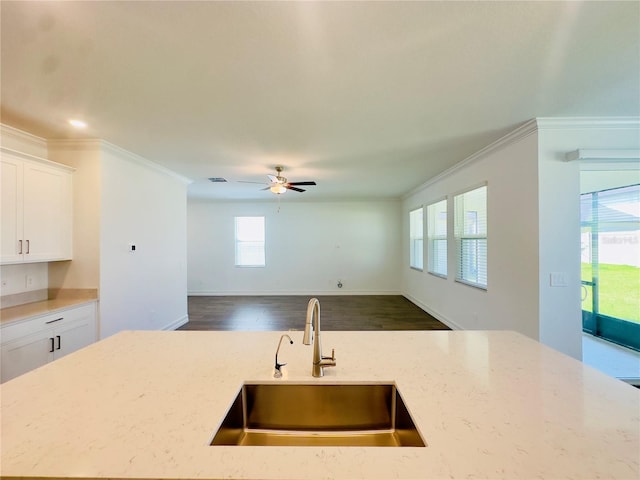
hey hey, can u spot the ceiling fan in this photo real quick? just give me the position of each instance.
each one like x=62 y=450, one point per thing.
x=279 y=184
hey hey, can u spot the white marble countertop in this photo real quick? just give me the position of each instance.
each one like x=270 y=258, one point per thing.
x=489 y=405
x=60 y=300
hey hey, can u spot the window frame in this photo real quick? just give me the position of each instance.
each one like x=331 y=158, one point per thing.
x=412 y=247
x=460 y=236
x=237 y=243
x=608 y=326
x=432 y=238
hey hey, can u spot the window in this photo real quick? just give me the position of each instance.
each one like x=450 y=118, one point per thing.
x=470 y=222
x=610 y=225
x=416 y=224
x=249 y=241
x=437 y=238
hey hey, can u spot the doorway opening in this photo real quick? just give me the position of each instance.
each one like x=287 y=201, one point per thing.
x=610 y=259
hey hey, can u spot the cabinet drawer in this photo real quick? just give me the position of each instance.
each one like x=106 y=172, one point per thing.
x=48 y=321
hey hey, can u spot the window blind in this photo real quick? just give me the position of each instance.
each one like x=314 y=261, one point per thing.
x=437 y=238
x=416 y=225
x=470 y=227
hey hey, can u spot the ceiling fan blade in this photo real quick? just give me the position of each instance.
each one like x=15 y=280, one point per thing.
x=265 y=188
x=273 y=178
x=301 y=183
x=243 y=181
x=289 y=187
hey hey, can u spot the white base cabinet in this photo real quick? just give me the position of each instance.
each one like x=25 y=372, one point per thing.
x=34 y=342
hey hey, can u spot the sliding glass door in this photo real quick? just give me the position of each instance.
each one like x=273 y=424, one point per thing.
x=610 y=248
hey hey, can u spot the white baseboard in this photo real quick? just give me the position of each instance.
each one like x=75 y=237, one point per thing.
x=177 y=323
x=272 y=293
x=438 y=316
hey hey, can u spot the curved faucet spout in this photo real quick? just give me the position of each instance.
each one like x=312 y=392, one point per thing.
x=313 y=322
x=312 y=307
x=278 y=372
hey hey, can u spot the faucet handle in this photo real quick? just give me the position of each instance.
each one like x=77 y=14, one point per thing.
x=332 y=357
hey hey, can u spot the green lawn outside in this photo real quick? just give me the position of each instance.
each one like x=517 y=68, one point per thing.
x=619 y=291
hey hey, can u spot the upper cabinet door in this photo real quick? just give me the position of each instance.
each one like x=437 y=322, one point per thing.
x=47 y=221
x=36 y=210
x=12 y=246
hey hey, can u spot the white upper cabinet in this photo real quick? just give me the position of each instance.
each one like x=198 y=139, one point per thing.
x=36 y=206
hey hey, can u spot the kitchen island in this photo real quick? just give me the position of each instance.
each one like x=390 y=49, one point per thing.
x=488 y=405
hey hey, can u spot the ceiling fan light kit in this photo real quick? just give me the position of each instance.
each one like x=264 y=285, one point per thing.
x=279 y=184
x=278 y=189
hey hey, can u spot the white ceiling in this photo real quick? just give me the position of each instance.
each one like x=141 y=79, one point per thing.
x=369 y=99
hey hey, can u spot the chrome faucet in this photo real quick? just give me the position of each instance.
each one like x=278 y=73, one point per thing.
x=278 y=372
x=313 y=321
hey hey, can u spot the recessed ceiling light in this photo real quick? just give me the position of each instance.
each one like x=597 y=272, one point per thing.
x=78 y=123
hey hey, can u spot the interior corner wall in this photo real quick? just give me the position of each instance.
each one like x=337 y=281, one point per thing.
x=145 y=289
x=511 y=298
x=84 y=270
x=559 y=225
x=310 y=246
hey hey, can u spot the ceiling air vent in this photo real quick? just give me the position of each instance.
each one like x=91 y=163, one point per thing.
x=217 y=179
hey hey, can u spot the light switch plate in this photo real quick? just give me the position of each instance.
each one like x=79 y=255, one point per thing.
x=559 y=279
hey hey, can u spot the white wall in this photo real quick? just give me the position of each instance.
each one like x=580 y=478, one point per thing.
x=26 y=277
x=84 y=270
x=511 y=299
x=595 y=180
x=309 y=247
x=533 y=231
x=559 y=197
x=119 y=199
x=145 y=289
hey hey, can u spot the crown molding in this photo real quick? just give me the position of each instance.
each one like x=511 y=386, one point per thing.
x=115 y=149
x=523 y=131
x=587 y=122
x=533 y=126
x=98 y=144
x=22 y=136
x=34 y=158
x=74 y=144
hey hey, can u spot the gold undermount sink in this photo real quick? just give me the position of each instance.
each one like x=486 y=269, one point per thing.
x=285 y=414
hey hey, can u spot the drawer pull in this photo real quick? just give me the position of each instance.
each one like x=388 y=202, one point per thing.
x=59 y=342
x=20 y=252
x=51 y=351
x=28 y=247
x=56 y=320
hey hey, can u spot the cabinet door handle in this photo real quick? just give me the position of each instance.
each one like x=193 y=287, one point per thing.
x=28 y=247
x=51 y=351
x=59 y=342
x=56 y=320
x=20 y=252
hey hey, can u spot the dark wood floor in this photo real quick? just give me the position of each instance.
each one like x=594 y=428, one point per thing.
x=337 y=312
